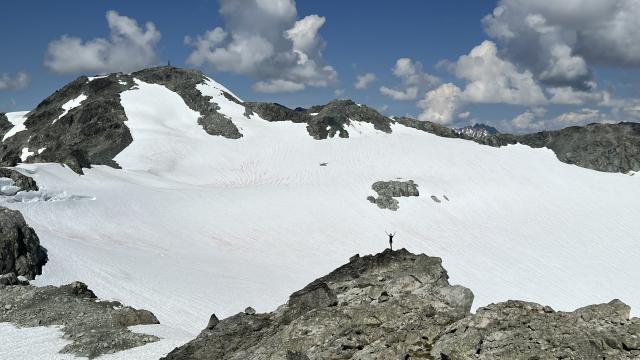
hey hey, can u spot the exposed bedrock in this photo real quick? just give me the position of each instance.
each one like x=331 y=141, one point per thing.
x=384 y=306
x=397 y=305
x=184 y=82
x=20 y=250
x=94 y=327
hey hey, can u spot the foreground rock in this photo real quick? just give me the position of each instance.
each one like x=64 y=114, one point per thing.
x=20 y=250
x=22 y=182
x=94 y=327
x=397 y=305
x=388 y=306
x=389 y=190
x=522 y=330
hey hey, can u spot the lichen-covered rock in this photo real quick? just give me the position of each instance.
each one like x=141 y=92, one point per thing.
x=386 y=306
x=523 y=330
x=20 y=250
x=388 y=190
x=94 y=327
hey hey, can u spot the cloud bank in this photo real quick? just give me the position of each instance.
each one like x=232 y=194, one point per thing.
x=14 y=82
x=264 y=40
x=129 y=47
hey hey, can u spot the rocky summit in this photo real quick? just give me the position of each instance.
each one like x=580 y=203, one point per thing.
x=375 y=307
x=398 y=305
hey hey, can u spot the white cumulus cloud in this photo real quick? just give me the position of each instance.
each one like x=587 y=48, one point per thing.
x=14 y=82
x=560 y=40
x=264 y=39
x=129 y=48
x=413 y=80
x=363 y=81
x=440 y=105
x=491 y=79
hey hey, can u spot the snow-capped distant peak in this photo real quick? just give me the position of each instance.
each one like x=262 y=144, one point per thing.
x=477 y=131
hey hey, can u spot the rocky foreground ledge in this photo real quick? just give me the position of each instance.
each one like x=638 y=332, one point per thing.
x=398 y=305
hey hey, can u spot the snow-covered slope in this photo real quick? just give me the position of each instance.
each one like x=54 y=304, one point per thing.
x=195 y=224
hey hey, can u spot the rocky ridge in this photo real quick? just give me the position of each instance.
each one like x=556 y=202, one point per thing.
x=95 y=131
x=397 y=305
x=324 y=121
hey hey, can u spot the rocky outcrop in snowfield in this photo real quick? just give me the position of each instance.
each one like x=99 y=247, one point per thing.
x=324 y=121
x=94 y=327
x=23 y=182
x=20 y=250
x=397 y=305
x=389 y=190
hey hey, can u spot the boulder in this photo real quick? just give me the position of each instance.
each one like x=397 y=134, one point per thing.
x=20 y=250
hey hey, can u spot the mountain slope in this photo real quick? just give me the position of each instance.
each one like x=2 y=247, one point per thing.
x=194 y=224
x=83 y=124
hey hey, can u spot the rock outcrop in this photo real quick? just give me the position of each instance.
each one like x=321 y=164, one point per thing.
x=325 y=121
x=20 y=250
x=389 y=190
x=397 y=305
x=184 y=82
x=24 y=182
x=391 y=305
x=94 y=327
x=5 y=124
x=522 y=330
x=602 y=147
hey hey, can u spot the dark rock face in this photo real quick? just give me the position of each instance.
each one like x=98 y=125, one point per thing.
x=602 y=147
x=94 y=327
x=522 y=330
x=392 y=305
x=20 y=250
x=24 y=182
x=184 y=82
x=389 y=190
x=328 y=120
x=5 y=125
x=93 y=133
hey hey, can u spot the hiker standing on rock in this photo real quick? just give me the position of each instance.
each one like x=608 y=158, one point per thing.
x=391 y=240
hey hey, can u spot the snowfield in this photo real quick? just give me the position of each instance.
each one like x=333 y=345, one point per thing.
x=195 y=224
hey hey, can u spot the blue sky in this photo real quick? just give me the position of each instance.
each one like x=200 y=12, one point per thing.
x=520 y=65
